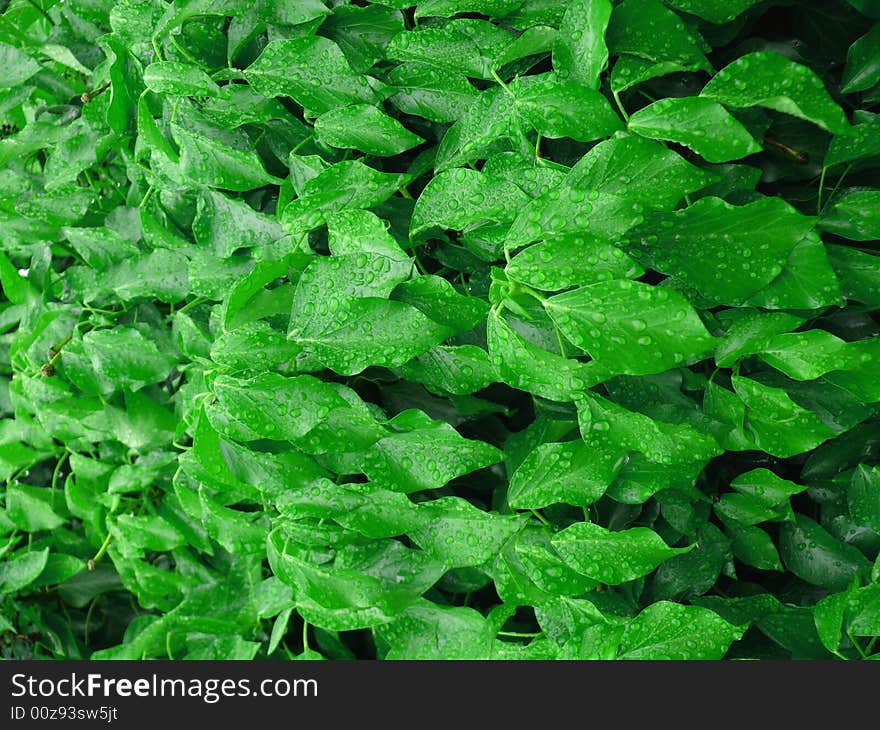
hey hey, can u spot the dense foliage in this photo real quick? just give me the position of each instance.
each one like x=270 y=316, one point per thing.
x=458 y=329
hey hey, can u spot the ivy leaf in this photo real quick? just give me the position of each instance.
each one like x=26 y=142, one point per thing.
x=477 y=536
x=580 y=53
x=641 y=169
x=569 y=261
x=814 y=555
x=777 y=423
x=668 y=630
x=853 y=215
x=647 y=29
x=22 y=569
x=424 y=90
x=748 y=245
x=528 y=367
x=862 y=69
x=463 y=45
x=612 y=557
x=703 y=125
x=627 y=326
x=863 y=497
x=603 y=422
x=715 y=11
x=368 y=331
x=769 y=79
x=462 y=199
x=571 y=473
x=179 y=79
x=213 y=163
x=312 y=71
x=363 y=127
x=427 y=455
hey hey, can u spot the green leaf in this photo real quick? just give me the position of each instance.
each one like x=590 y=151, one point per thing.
x=571 y=473
x=525 y=366
x=569 y=261
x=776 y=422
x=368 y=589
x=580 y=53
x=703 y=125
x=769 y=79
x=179 y=79
x=863 y=497
x=816 y=556
x=363 y=127
x=853 y=215
x=750 y=332
x=346 y=185
x=476 y=133
x=21 y=570
x=462 y=199
x=727 y=253
x=312 y=71
x=806 y=282
x=209 y=161
x=640 y=169
x=671 y=631
x=564 y=108
x=612 y=557
x=858 y=274
x=426 y=91
x=862 y=65
x=31 y=508
x=428 y=631
x=449 y=8
x=627 y=327
x=743 y=508
x=766 y=487
x=463 y=45
x=645 y=28
x=460 y=535
x=427 y=455
x=456 y=370
x=754 y=547
x=715 y=11
x=604 y=422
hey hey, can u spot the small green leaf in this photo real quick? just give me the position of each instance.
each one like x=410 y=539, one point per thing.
x=814 y=555
x=769 y=79
x=21 y=570
x=667 y=630
x=612 y=557
x=862 y=65
x=363 y=127
x=179 y=79
x=570 y=473
x=580 y=53
x=703 y=125
x=312 y=71
x=630 y=327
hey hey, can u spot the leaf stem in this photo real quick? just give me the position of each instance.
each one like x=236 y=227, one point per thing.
x=836 y=186
x=501 y=82
x=57 y=469
x=520 y=634
x=620 y=106
x=821 y=186
x=541 y=518
x=101 y=551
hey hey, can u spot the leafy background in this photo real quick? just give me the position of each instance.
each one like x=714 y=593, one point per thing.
x=463 y=329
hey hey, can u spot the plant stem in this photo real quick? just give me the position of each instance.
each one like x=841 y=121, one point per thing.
x=836 y=186
x=101 y=551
